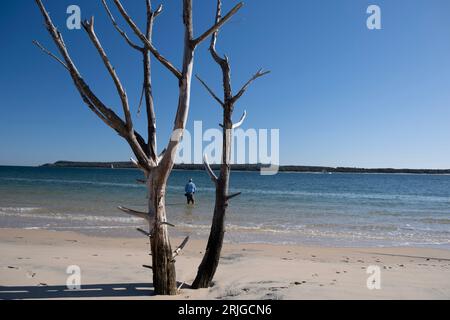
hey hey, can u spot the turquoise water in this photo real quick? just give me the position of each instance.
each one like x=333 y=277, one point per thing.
x=322 y=209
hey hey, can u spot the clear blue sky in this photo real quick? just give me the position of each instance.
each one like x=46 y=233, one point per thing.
x=340 y=94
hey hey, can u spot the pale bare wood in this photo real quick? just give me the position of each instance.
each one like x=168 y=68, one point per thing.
x=210 y=172
x=181 y=285
x=218 y=24
x=180 y=248
x=137 y=164
x=241 y=121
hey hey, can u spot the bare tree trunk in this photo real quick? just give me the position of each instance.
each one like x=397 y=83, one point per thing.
x=210 y=262
x=163 y=266
x=157 y=168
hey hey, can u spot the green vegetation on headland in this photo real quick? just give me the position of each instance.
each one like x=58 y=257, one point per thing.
x=249 y=167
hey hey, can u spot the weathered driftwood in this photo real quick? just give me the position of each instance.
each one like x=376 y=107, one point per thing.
x=208 y=266
x=156 y=167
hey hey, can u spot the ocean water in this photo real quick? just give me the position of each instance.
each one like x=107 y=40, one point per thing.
x=297 y=208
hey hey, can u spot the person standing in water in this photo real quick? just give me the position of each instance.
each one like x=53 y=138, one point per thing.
x=190 y=190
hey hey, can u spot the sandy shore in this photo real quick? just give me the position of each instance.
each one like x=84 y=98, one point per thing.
x=33 y=265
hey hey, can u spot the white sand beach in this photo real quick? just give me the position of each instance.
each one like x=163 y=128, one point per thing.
x=33 y=265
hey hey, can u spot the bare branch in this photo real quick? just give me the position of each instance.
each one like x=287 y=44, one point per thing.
x=151 y=12
x=146 y=41
x=162 y=154
x=136 y=163
x=116 y=26
x=210 y=91
x=158 y=11
x=168 y=224
x=233 y=195
x=147 y=266
x=222 y=62
x=218 y=24
x=241 y=121
x=216 y=33
x=180 y=248
x=259 y=74
x=89 y=27
x=134 y=213
x=130 y=136
x=108 y=116
x=181 y=286
x=145 y=233
x=167 y=162
x=50 y=54
x=141 y=100
x=147 y=91
x=210 y=172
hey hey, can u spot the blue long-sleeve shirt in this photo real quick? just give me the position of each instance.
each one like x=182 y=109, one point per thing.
x=190 y=188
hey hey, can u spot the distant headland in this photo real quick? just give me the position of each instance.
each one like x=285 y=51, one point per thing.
x=249 y=167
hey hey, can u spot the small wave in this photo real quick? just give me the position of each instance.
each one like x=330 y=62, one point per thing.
x=18 y=209
x=85 y=182
x=436 y=220
x=233 y=227
x=70 y=217
x=348 y=195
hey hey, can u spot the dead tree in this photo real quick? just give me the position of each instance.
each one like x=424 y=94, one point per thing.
x=208 y=266
x=156 y=167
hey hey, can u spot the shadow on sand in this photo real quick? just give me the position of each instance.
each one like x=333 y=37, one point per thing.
x=99 y=291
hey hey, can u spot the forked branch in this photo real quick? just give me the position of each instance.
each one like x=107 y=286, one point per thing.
x=218 y=24
x=121 y=32
x=146 y=41
x=257 y=75
x=54 y=56
x=108 y=116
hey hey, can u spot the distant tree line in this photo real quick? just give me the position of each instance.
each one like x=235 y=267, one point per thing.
x=250 y=167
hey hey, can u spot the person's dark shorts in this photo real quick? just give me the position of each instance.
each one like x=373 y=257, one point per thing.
x=190 y=197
